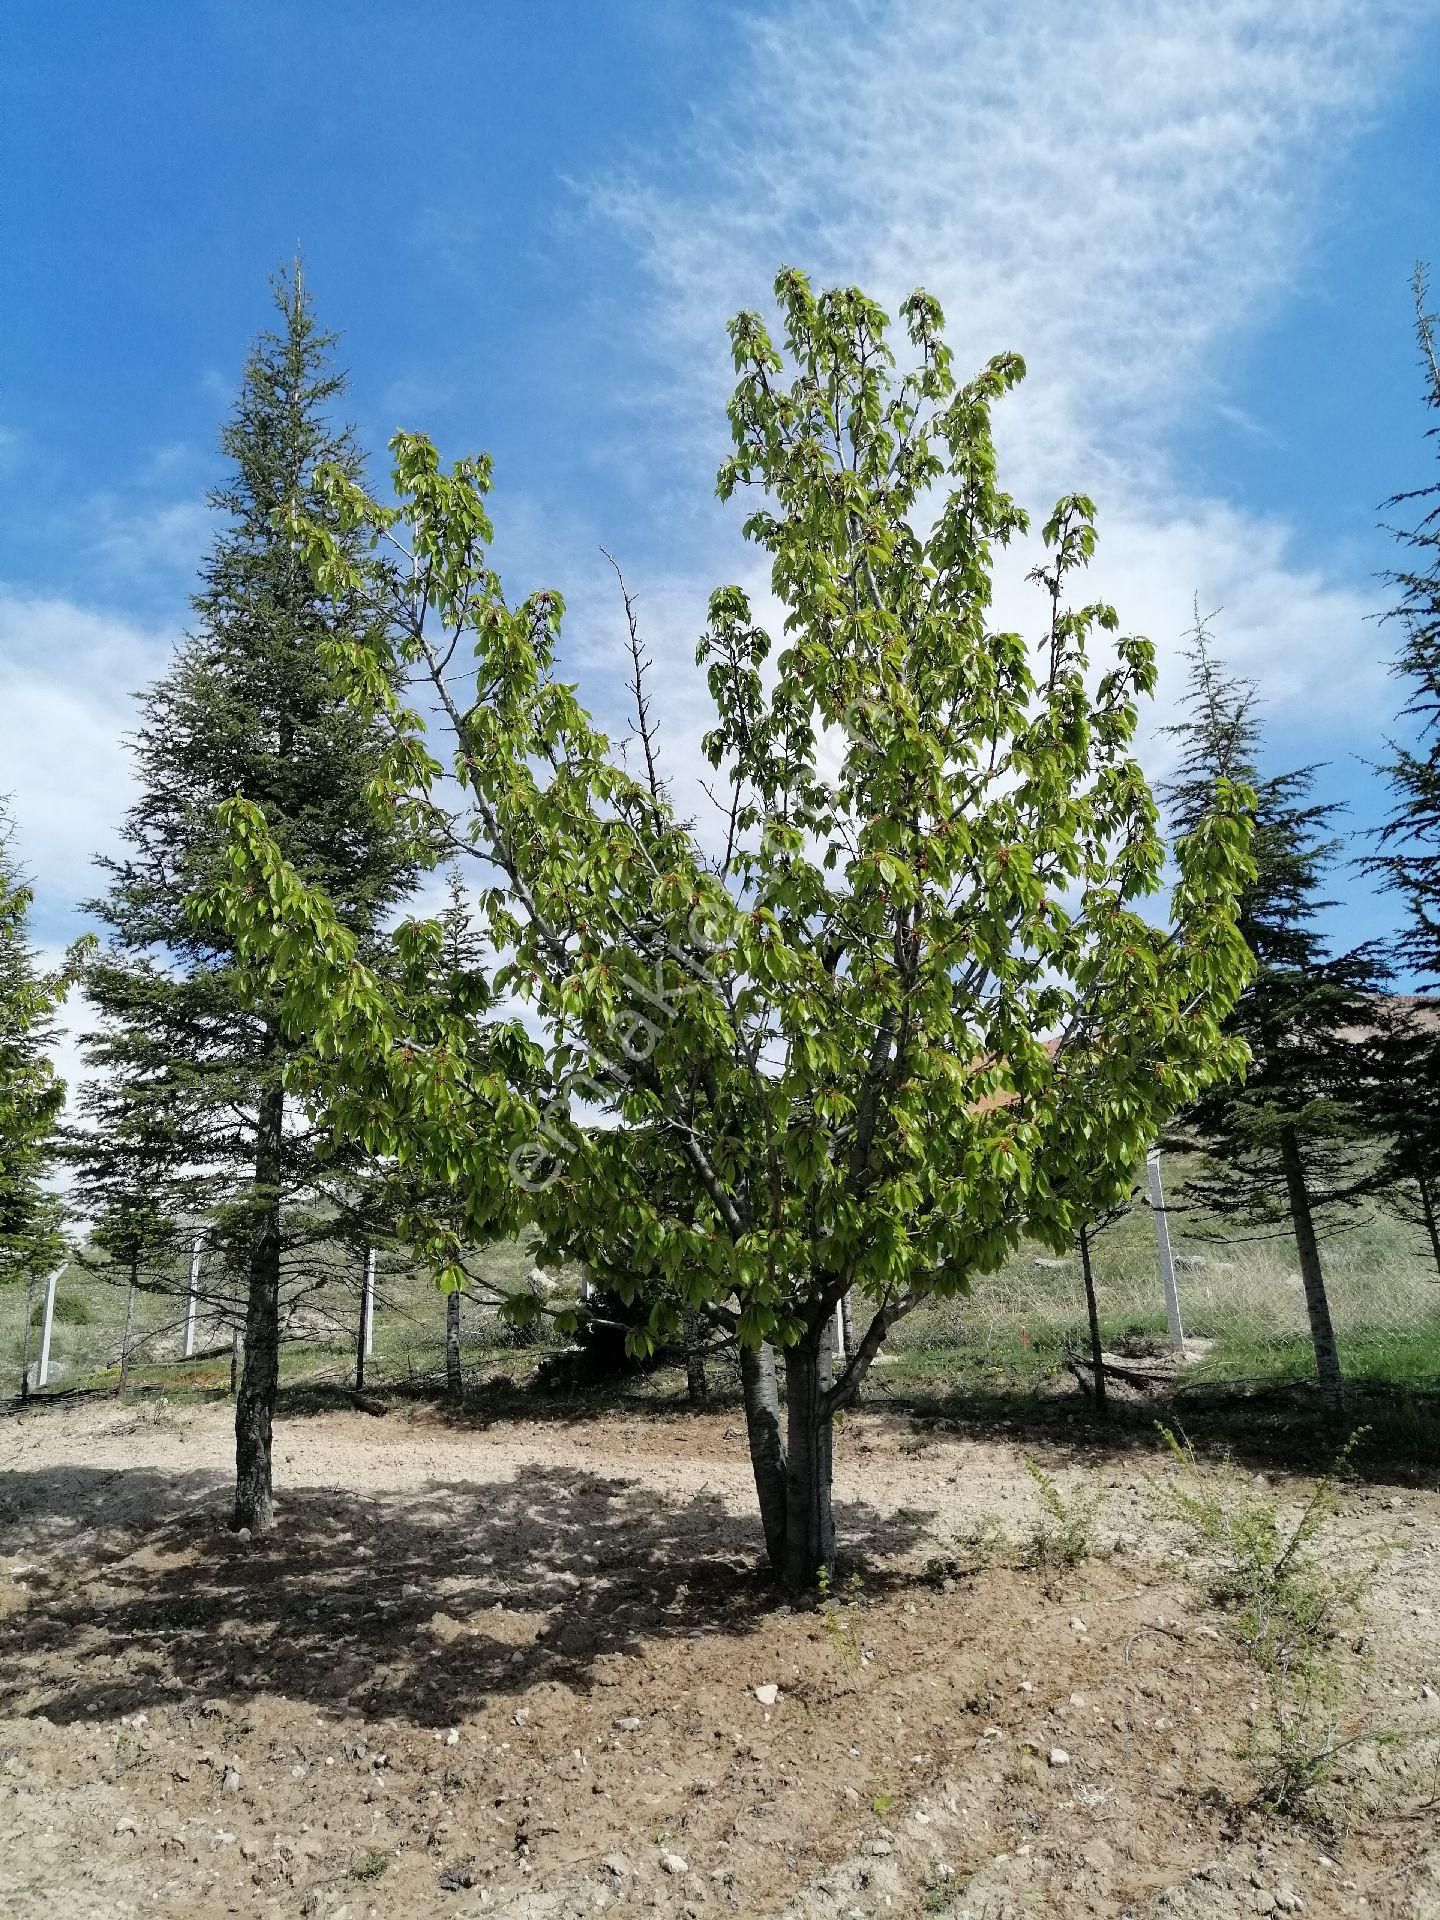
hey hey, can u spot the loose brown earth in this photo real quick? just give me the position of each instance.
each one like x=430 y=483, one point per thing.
x=511 y=1670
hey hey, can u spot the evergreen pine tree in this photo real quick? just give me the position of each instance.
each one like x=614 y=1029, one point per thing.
x=1289 y=1143
x=1407 y=855
x=31 y=1092
x=247 y=707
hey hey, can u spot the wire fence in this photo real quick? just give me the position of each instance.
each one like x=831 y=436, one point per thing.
x=85 y=1325
x=1237 y=1299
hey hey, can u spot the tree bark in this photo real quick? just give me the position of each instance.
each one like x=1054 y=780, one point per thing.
x=1097 y=1351
x=25 y=1340
x=809 y=1456
x=767 y=1446
x=1427 y=1202
x=697 y=1387
x=260 y=1380
x=1317 y=1305
x=361 y=1330
x=793 y=1471
x=454 y=1378
x=125 y=1335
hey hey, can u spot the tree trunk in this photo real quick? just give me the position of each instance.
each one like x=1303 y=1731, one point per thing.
x=1097 y=1351
x=809 y=1453
x=697 y=1387
x=260 y=1380
x=362 y=1329
x=1427 y=1202
x=1322 y=1333
x=125 y=1336
x=25 y=1340
x=793 y=1474
x=454 y=1379
x=767 y=1447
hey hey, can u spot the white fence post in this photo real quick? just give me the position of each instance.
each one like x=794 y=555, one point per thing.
x=1162 y=1249
x=192 y=1296
x=42 y=1372
x=369 y=1308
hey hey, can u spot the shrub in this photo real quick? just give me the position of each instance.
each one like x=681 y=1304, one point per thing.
x=1065 y=1534
x=1287 y=1606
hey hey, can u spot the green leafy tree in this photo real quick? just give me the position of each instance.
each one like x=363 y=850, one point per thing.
x=404 y=1204
x=197 y=1054
x=902 y=1007
x=1294 y=1141
x=31 y=1092
x=1407 y=856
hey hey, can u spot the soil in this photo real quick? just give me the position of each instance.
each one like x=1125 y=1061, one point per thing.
x=514 y=1669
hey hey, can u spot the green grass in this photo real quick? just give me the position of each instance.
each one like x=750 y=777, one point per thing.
x=996 y=1354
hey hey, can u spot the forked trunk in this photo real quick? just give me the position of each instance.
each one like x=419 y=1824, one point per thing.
x=454 y=1379
x=793 y=1473
x=1312 y=1275
x=792 y=1469
x=260 y=1379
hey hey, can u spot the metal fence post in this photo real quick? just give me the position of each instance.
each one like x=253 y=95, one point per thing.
x=192 y=1297
x=1162 y=1250
x=42 y=1372
x=369 y=1302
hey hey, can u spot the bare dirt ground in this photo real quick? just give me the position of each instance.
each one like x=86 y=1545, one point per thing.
x=511 y=1670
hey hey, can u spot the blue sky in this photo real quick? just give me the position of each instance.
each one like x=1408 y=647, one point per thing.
x=530 y=223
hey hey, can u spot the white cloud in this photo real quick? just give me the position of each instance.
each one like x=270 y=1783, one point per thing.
x=67 y=674
x=1118 y=191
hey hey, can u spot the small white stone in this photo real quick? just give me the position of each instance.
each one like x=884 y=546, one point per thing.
x=452 y=1738
x=1059 y=1757
x=125 y=1824
x=768 y=1694
x=673 y=1863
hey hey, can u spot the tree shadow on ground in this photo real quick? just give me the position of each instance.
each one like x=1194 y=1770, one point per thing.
x=418 y=1605
x=1264 y=1424
x=1281 y=1426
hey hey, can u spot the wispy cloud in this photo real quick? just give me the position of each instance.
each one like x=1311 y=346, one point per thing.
x=1119 y=191
x=159 y=543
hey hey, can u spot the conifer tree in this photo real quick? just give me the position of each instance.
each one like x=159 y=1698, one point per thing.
x=248 y=707
x=31 y=1092
x=1288 y=1143
x=32 y=1215
x=1407 y=856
